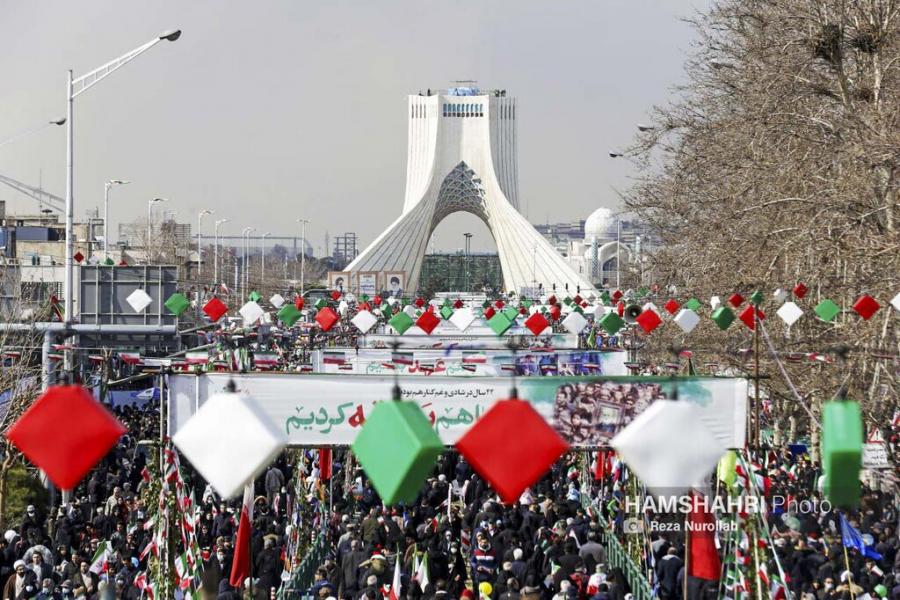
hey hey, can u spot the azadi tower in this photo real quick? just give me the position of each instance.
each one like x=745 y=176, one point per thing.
x=462 y=157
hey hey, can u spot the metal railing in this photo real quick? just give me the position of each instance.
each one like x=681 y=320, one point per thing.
x=301 y=580
x=618 y=557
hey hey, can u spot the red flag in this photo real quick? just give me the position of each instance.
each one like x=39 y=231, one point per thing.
x=704 y=558
x=240 y=568
x=325 y=464
x=601 y=468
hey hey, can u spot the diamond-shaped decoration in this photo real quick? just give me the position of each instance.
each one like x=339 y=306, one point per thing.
x=499 y=304
x=723 y=317
x=229 y=440
x=289 y=315
x=574 y=323
x=511 y=313
x=499 y=323
x=605 y=298
x=321 y=303
x=377 y=300
x=616 y=295
x=555 y=312
x=757 y=297
x=735 y=300
x=715 y=302
x=410 y=310
x=277 y=300
x=326 y=318
x=789 y=312
x=109 y=262
x=364 y=321
x=215 y=309
x=671 y=306
x=842 y=436
x=254 y=296
x=687 y=320
x=458 y=304
x=177 y=304
x=511 y=446
x=401 y=322
x=896 y=302
x=335 y=295
x=397 y=468
x=446 y=312
x=611 y=323
x=866 y=306
x=746 y=316
x=488 y=313
x=800 y=290
x=462 y=318
x=648 y=320
x=299 y=302
x=78 y=256
x=827 y=310
x=251 y=312
x=420 y=302
x=664 y=467
x=780 y=295
x=65 y=432
x=693 y=304
x=139 y=300
x=536 y=323
x=427 y=322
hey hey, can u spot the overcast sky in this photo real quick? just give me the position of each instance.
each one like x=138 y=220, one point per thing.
x=269 y=111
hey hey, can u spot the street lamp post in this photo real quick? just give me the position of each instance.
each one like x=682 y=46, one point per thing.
x=216 y=252
x=200 y=215
x=303 y=223
x=262 y=267
x=150 y=223
x=245 y=281
x=32 y=130
x=106 y=229
x=75 y=87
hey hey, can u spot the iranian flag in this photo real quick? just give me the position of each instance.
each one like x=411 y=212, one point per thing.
x=182 y=570
x=100 y=561
x=130 y=358
x=240 y=568
x=200 y=357
x=333 y=358
x=395 y=584
x=402 y=358
x=265 y=361
x=474 y=358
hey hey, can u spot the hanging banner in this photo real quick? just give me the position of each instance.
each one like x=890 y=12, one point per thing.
x=469 y=363
x=474 y=337
x=323 y=410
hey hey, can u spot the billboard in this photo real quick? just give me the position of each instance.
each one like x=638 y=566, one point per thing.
x=328 y=410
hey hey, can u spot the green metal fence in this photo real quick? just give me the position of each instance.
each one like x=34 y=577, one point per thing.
x=302 y=578
x=618 y=557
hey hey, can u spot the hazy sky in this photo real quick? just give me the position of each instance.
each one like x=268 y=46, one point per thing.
x=268 y=111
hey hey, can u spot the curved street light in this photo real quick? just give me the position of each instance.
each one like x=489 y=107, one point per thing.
x=216 y=251
x=106 y=227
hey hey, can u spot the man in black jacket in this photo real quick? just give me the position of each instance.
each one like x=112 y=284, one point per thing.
x=667 y=570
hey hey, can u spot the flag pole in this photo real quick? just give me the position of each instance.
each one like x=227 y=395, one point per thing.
x=687 y=555
x=849 y=572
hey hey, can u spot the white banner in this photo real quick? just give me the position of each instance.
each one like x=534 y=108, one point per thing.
x=320 y=410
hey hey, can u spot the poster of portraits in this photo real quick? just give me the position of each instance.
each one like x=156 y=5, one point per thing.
x=367 y=282
x=395 y=283
x=339 y=280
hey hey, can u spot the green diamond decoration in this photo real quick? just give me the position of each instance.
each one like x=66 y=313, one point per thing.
x=485 y=304
x=827 y=310
x=578 y=309
x=693 y=304
x=842 y=435
x=723 y=317
x=499 y=323
x=401 y=322
x=446 y=312
x=527 y=303
x=177 y=304
x=289 y=314
x=254 y=296
x=605 y=298
x=642 y=292
x=386 y=310
x=757 y=297
x=399 y=468
x=511 y=313
x=567 y=301
x=321 y=303
x=364 y=297
x=611 y=323
x=109 y=262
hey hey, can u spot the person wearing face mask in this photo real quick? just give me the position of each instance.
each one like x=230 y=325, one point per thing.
x=484 y=560
x=217 y=568
x=46 y=591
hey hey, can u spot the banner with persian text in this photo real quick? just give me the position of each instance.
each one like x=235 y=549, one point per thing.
x=321 y=410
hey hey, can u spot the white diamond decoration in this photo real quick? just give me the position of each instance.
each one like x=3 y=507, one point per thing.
x=687 y=320
x=364 y=321
x=139 y=300
x=574 y=323
x=780 y=295
x=229 y=440
x=896 y=302
x=342 y=308
x=277 y=300
x=600 y=311
x=789 y=313
x=251 y=312
x=714 y=302
x=651 y=306
x=462 y=318
x=666 y=468
x=410 y=310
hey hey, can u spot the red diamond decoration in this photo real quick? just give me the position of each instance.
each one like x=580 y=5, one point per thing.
x=671 y=306
x=376 y=300
x=214 y=309
x=555 y=312
x=299 y=302
x=800 y=290
x=335 y=295
x=620 y=308
x=458 y=303
x=736 y=300
x=78 y=257
x=523 y=311
x=427 y=322
x=584 y=304
x=511 y=433
x=551 y=300
x=122 y=263
x=364 y=306
x=536 y=323
x=66 y=453
x=747 y=316
x=488 y=313
x=499 y=304
x=326 y=318
x=866 y=306
x=420 y=302
x=578 y=299
x=648 y=320
x=617 y=294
